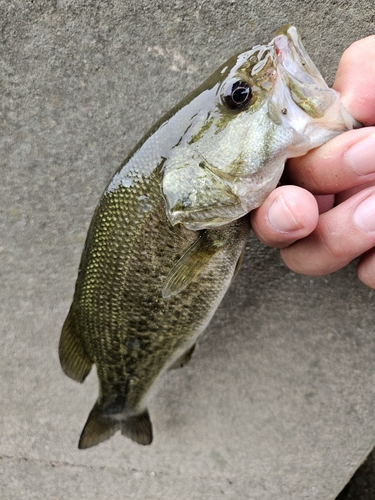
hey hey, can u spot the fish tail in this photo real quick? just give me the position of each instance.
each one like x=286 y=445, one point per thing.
x=138 y=428
x=100 y=427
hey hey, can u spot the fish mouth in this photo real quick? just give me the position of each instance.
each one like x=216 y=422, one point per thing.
x=298 y=72
x=292 y=56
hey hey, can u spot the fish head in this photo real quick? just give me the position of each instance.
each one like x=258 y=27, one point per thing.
x=261 y=107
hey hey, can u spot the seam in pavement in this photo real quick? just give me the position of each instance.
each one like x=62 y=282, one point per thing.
x=56 y=463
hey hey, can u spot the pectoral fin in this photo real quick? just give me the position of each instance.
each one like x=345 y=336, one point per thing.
x=197 y=256
x=73 y=358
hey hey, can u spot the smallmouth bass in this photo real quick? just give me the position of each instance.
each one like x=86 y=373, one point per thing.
x=171 y=226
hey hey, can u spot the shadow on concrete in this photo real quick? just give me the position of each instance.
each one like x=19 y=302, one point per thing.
x=362 y=484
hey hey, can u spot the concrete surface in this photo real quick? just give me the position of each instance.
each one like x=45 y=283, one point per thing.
x=278 y=401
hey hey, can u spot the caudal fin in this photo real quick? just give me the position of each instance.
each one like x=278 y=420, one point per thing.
x=138 y=428
x=100 y=427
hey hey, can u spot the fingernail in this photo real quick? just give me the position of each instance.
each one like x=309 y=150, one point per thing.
x=364 y=214
x=281 y=217
x=361 y=156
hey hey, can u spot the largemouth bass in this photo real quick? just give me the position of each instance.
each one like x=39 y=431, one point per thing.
x=171 y=226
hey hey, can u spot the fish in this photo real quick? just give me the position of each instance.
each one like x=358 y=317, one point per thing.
x=169 y=232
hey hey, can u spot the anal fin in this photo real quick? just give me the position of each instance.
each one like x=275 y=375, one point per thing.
x=73 y=358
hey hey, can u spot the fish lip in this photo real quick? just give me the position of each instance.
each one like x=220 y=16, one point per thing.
x=292 y=57
x=300 y=90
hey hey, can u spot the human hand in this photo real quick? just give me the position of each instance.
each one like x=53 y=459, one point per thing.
x=327 y=217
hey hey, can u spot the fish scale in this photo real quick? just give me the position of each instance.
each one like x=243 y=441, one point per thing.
x=167 y=236
x=131 y=350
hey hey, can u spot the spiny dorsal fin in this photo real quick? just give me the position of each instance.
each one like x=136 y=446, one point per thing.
x=73 y=358
x=196 y=257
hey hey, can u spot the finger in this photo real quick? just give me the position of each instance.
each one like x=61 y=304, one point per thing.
x=345 y=195
x=355 y=80
x=366 y=268
x=288 y=214
x=343 y=233
x=346 y=161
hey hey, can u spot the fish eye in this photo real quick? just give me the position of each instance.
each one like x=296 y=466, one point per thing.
x=238 y=95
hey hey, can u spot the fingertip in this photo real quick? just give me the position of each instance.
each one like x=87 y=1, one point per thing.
x=281 y=216
x=293 y=210
x=355 y=80
x=288 y=214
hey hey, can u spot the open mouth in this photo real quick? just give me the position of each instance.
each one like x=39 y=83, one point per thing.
x=292 y=56
x=305 y=83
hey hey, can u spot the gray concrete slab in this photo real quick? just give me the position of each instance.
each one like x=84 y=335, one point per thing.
x=278 y=401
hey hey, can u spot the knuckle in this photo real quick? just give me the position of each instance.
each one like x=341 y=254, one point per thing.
x=335 y=244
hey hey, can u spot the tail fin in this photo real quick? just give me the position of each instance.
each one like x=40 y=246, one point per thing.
x=100 y=427
x=138 y=428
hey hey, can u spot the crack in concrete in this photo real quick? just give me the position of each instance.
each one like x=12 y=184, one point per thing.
x=57 y=463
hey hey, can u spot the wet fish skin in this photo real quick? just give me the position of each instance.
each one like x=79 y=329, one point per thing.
x=131 y=350
x=169 y=230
